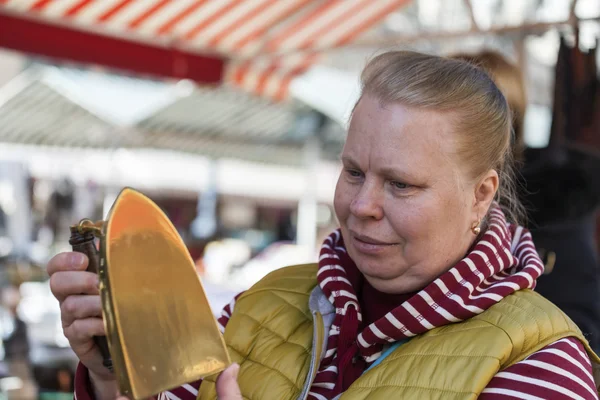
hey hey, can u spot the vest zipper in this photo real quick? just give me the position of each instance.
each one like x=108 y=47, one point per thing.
x=316 y=353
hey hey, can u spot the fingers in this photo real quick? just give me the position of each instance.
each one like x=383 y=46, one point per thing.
x=67 y=283
x=227 y=386
x=121 y=397
x=82 y=330
x=80 y=307
x=71 y=261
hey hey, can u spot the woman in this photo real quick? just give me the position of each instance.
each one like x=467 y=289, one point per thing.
x=422 y=293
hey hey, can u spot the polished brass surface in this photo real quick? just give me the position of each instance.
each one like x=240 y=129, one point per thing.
x=160 y=327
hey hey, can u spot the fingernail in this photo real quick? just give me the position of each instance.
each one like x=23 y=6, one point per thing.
x=236 y=370
x=77 y=259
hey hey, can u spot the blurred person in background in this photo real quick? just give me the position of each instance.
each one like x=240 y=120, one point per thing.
x=423 y=292
x=509 y=79
x=55 y=382
x=561 y=200
x=16 y=347
x=59 y=210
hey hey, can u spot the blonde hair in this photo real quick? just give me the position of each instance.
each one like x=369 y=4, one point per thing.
x=509 y=79
x=482 y=118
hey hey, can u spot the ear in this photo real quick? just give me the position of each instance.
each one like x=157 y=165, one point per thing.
x=485 y=191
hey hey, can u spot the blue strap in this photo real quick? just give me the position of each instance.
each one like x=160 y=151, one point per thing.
x=386 y=353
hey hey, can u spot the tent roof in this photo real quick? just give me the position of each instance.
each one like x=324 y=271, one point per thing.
x=258 y=45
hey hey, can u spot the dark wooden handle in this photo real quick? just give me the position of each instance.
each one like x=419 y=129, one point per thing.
x=84 y=243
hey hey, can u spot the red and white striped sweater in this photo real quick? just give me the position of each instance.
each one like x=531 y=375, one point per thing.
x=503 y=261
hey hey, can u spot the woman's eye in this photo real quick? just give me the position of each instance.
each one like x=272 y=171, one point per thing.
x=399 y=185
x=354 y=173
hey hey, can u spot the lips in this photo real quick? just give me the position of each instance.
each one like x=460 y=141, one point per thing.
x=369 y=240
x=369 y=245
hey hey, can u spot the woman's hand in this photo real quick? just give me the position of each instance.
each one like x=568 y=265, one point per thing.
x=81 y=315
x=227 y=386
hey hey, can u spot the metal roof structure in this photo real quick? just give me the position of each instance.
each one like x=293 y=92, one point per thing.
x=38 y=114
x=47 y=105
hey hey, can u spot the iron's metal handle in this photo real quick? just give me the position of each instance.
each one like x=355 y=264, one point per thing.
x=83 y=242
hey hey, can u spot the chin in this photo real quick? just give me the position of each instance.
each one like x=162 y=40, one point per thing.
x=398 y=281
x=384 y=281
x=389 y=286
x=399 y=285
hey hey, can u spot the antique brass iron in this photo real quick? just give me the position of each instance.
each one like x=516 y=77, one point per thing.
x=161 y=332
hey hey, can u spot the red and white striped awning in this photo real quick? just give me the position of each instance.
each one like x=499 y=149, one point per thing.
x=258 y=45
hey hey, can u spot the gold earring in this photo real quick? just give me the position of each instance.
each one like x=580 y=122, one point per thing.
x=476 y=227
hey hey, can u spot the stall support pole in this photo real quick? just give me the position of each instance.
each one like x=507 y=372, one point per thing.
x=306 y=230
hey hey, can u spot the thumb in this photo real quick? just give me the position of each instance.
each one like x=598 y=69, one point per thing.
x=227 y=386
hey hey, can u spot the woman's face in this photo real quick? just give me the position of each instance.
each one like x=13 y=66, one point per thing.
x=405 y=204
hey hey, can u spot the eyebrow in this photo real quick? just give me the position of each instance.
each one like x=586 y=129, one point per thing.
x=348 y=160
x=396 y=173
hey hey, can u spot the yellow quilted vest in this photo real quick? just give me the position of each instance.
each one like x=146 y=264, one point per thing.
x=278 y=343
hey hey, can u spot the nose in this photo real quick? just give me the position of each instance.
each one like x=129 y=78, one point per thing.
x=368 y=202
